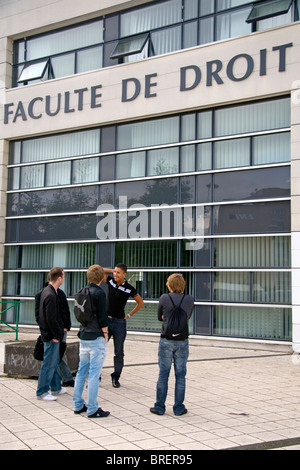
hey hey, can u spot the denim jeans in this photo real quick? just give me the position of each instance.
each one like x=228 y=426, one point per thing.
x=49 y=377
x=91 y=358
x=117 y=330
x=63 y=366
x=168 y=352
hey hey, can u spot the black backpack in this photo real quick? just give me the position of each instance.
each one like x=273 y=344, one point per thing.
x=177 y=325
x=83 y=307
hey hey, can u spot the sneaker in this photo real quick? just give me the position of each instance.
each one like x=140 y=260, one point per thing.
x=46 y=397
x=182 y=413
x=115 y=382
x=83 y=409
x=99 y=414
x=62 y=391
x=156 y=412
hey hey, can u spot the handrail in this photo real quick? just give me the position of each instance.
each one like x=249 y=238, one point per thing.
x=15 y=303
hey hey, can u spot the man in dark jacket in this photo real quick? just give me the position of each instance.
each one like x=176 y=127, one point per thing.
x=93 y=342
x=52 y=332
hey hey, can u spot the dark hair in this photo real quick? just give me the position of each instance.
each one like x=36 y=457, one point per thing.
x=122 y=266
x=55 y=273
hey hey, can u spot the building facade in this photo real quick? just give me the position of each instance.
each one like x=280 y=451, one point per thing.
x=162 y=134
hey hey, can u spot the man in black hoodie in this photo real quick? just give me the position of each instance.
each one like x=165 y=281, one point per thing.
x=52 y=332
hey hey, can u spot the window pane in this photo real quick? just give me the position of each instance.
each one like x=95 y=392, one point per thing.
x=162 y=162
x=32 y=176
x=132 y=45
x=204 y=129
x=206 y=7
x=61 y=146
x=206 y=30
x=63 y=65
x=148 y=133
x=272 y=288
x=204 y=157
x=187 y=158
x=226 y=4
x=58 y=173
x=231 y=287
x=130 y=165
x=190 y=34
x=89 y=59
x=232 y=24
x=273 y=148
x=232 y=153
x=147 y=18
x=85 y=170
x=252 y=184
x=151 y=254
x=167 y=40
x=190 y=9
x=159 y=191
x=268 y=9
x=252 y=218
x=265 y=323
x=264 y=252
x=252 y=117
x=66 y=40
x=33 y=71
x=188 y=127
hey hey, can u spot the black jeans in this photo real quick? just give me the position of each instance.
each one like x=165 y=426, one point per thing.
x=117 y=330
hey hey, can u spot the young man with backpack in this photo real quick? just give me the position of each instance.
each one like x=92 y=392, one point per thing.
x=90 y=310
x=174 y=310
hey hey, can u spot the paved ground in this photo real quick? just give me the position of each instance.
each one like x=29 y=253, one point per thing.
x=236 y=399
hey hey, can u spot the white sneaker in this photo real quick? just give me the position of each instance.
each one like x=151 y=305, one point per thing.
x=46 y=397
x=60 y=392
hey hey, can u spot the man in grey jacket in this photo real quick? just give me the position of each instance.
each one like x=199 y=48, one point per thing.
x=175 y=349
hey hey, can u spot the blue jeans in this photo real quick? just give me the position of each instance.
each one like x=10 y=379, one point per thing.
x=49 y=377
x=91 y=358
x=168 y=352
x=117 y=330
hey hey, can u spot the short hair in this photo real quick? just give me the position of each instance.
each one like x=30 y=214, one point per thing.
x=55 y=273
x=176 y=283
x=95 y=274
x=122 y=266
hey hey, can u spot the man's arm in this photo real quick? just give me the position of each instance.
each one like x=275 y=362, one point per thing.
x=140 y=304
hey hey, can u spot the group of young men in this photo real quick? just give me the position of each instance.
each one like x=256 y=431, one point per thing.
x=109 y=292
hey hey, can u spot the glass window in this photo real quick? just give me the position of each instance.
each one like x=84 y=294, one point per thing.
x=33 y=71
x=252 y=117
x=232 y=24
x=256 y=252
x=261 y=11
x=158 y=191
x=61 y=146
x=261 y=217
x=58 y=173
x=250 y=322
x=187 y=158
x=148 y=133
x=231 y=287
x=63 y=65
x=151 y=17
x=167 y=40
x=65 y=40
x=204 y=157
x=85 y=170
x=128 y=46
x=270 y=287
x=32 y=176
x=83 y=198
x=152 y=254
x=162 y=161
x=252 y=184
x=89 y=59
x=232 y=153
x=130 y=165
x=273 y=148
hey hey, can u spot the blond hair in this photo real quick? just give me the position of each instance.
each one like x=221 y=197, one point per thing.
x=95 y=274
x=176 y=283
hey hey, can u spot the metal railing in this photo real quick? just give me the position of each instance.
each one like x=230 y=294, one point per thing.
x=15 y=327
